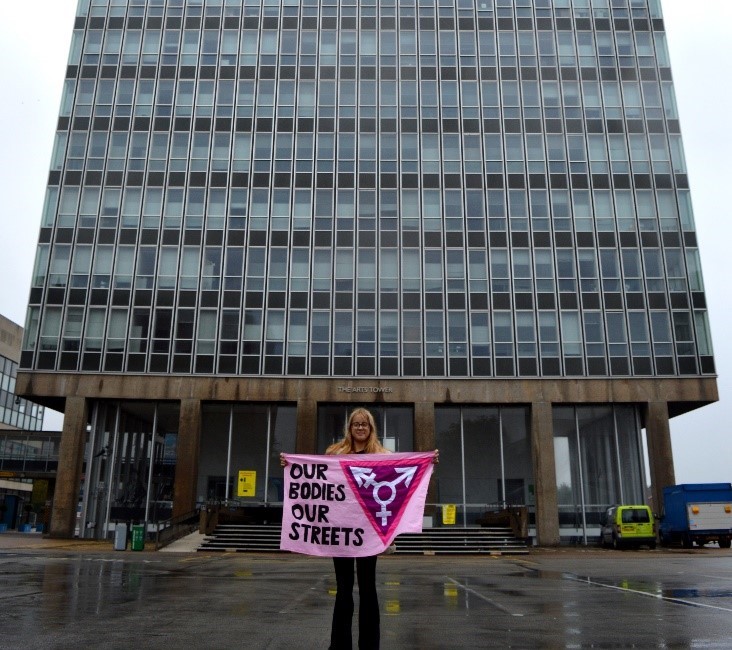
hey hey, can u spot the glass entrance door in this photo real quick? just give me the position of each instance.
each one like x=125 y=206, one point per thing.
x=244 y=438
x=129 y=467
x=598 y=452
x=485 y=459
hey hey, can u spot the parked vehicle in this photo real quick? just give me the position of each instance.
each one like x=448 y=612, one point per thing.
x=697 y=513
x=628 y=526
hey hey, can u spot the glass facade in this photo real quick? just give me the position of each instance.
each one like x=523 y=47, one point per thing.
x=394 y=425
x=16 y=412
x=392 y=188
x=485 y=459
x=26 y=453
x=239 y=437
x=599 y=460
x=130 y=459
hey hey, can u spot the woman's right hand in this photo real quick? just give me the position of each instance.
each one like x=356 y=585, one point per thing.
x=283 y=460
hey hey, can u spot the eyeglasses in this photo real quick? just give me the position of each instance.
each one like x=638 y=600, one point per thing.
x=360 y=425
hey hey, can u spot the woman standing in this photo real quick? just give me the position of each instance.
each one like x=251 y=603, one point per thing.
x=359 y=438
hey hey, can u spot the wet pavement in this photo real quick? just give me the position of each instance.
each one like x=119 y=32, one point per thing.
x=64 y=594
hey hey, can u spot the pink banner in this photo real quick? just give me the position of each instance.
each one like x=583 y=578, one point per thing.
x=352 y=505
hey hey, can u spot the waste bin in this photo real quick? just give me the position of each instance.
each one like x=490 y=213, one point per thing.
x=120 y=537
x=138 y=538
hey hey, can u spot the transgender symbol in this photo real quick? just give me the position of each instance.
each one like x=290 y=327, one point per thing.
x=366 y=478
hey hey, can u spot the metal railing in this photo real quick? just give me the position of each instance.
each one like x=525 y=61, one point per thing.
x=172 y=529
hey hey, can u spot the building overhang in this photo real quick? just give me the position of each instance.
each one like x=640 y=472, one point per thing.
x=682 y=394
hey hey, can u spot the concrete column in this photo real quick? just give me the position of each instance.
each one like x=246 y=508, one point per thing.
x=425 y=440
x=424 y=426
x=660 y=454
x=70 y=462
x=189 y=449
x=307 y=427
x=545 y=474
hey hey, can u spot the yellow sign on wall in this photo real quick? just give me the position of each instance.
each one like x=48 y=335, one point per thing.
x=247 y=483
x=449 y=512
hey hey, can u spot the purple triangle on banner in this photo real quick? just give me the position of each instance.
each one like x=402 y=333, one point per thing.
x=384 y=488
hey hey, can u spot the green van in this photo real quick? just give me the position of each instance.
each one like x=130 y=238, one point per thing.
x=625 y=526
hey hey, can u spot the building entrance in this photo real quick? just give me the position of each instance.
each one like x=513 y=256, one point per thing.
x=599 y=457
x=129 y=468
x=485 y=460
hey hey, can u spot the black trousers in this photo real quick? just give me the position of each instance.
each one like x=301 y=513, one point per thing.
x=368 y=609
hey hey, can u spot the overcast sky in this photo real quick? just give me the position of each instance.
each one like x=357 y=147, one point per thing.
x=33 y=58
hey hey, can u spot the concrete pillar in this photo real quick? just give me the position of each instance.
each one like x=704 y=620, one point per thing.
x=424 y=426
x=68 y=474
x=545 y=474
x=306 y=441
x=189 y=449
x=425 y=440
x=660 y=454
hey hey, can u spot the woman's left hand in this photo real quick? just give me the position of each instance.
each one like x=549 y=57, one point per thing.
x=436 y=457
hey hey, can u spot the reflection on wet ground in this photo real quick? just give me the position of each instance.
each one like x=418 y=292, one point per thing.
x=697 y=593
x=550 y=600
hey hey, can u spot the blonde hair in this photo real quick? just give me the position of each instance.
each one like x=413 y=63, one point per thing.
x=345 y=446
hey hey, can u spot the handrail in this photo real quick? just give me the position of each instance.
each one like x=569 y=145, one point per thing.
x=171 y=529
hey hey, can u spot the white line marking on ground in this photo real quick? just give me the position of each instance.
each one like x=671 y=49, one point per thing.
x=25 y=595
x=505 y=610
x=717 y=577
x=677 y=601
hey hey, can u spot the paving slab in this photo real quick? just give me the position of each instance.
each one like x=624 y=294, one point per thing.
x=75 y=593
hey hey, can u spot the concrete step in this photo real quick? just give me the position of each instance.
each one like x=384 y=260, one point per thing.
x=432 y=541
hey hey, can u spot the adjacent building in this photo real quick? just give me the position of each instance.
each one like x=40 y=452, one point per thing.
x=15 y=412
x=472 y=216
x=23 y=451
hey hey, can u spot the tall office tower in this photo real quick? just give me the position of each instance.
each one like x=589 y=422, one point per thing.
x=472 y=216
